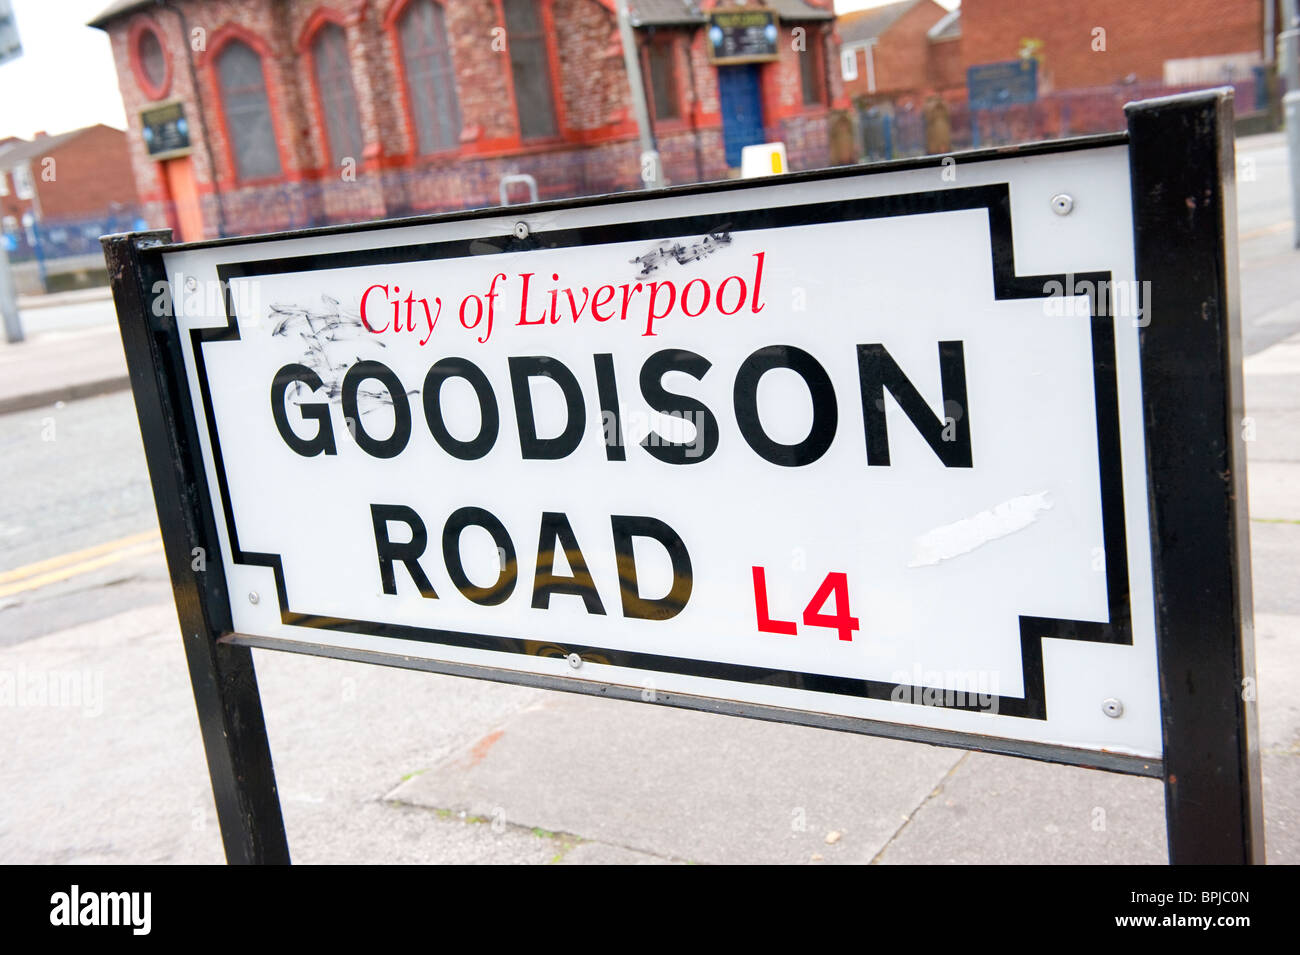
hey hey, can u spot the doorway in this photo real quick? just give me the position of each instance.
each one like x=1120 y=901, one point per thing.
x=185 y=215
x=740 y=96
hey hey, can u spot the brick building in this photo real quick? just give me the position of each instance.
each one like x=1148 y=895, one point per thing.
x=1169 y=42
x=82 y=174
x=912 y=48
x=885 y=52
x=58 y=195
x=1010 y=71
x=249 y=115
x=945 y=72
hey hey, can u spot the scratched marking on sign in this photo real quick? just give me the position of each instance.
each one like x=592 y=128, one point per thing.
x=682 y=254
x=320 y=331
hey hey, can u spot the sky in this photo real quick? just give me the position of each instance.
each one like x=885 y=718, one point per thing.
x=65 y=78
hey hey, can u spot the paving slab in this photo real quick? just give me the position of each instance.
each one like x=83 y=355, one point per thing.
x=995 y=809
x=690 y=786
x=110 y=769
x=598 y=853
x=61 y=366
x=1277 y=637
x=1001 y=810
x=1274 y=491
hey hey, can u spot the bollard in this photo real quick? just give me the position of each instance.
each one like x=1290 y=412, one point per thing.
x=8 y=300
x=1291 y=109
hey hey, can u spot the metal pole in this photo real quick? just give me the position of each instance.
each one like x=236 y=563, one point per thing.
x=222 y=675
x=1196 y=469
x=1288 y=43
x=39 y=249
x=1291 y=111
x=1270 y=43
x=651 y=174
x=9 y=299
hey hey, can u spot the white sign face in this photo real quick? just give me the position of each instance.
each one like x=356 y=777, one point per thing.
x=865 y=445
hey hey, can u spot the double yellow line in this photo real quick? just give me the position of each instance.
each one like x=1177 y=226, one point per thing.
x=51 y=571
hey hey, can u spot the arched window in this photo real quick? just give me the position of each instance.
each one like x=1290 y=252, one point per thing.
x=248 y=112
x=661 y=57
x=430 y=78
x=530 y=66
x=338 y=97
x=153 y=62
x=811 y=74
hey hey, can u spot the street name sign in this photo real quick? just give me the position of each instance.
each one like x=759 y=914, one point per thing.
x=893 y=450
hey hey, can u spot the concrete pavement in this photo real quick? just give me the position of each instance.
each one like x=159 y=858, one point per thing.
x=72 y=350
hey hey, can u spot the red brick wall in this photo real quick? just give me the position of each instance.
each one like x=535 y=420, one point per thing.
x=87 y=176
x=91 y=174
x=901 y=54
x=946 y=71
x=593 y=81
x=1139 y=36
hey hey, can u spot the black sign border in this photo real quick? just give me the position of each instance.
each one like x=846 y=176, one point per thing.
x=994 y=199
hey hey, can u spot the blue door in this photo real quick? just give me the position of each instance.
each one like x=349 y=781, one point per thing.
x=741 y=100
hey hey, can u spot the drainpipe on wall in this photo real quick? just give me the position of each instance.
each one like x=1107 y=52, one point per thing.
x=695 y=110
x=1270 y=43
x=651 y=174
x=871 y=66
x=203 y=116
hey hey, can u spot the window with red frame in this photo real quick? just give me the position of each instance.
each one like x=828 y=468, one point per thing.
x=661 y=57
x=152 y=61
x=338 y=97
x=530 y=67
x=248 y=112
x=811 y=73
x=430 y=76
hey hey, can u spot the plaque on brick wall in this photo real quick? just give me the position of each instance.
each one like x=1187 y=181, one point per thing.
x=742 y=35
x=166 y=131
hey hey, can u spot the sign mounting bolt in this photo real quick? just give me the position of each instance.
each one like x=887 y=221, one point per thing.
x=1112 y=708
x=521 y=230
x=575 y=661
x=1062 y=204
x=253 y=597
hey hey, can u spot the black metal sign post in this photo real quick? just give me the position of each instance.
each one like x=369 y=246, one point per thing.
x=1185 y=222
x=1181 y=173
x=225 y=686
